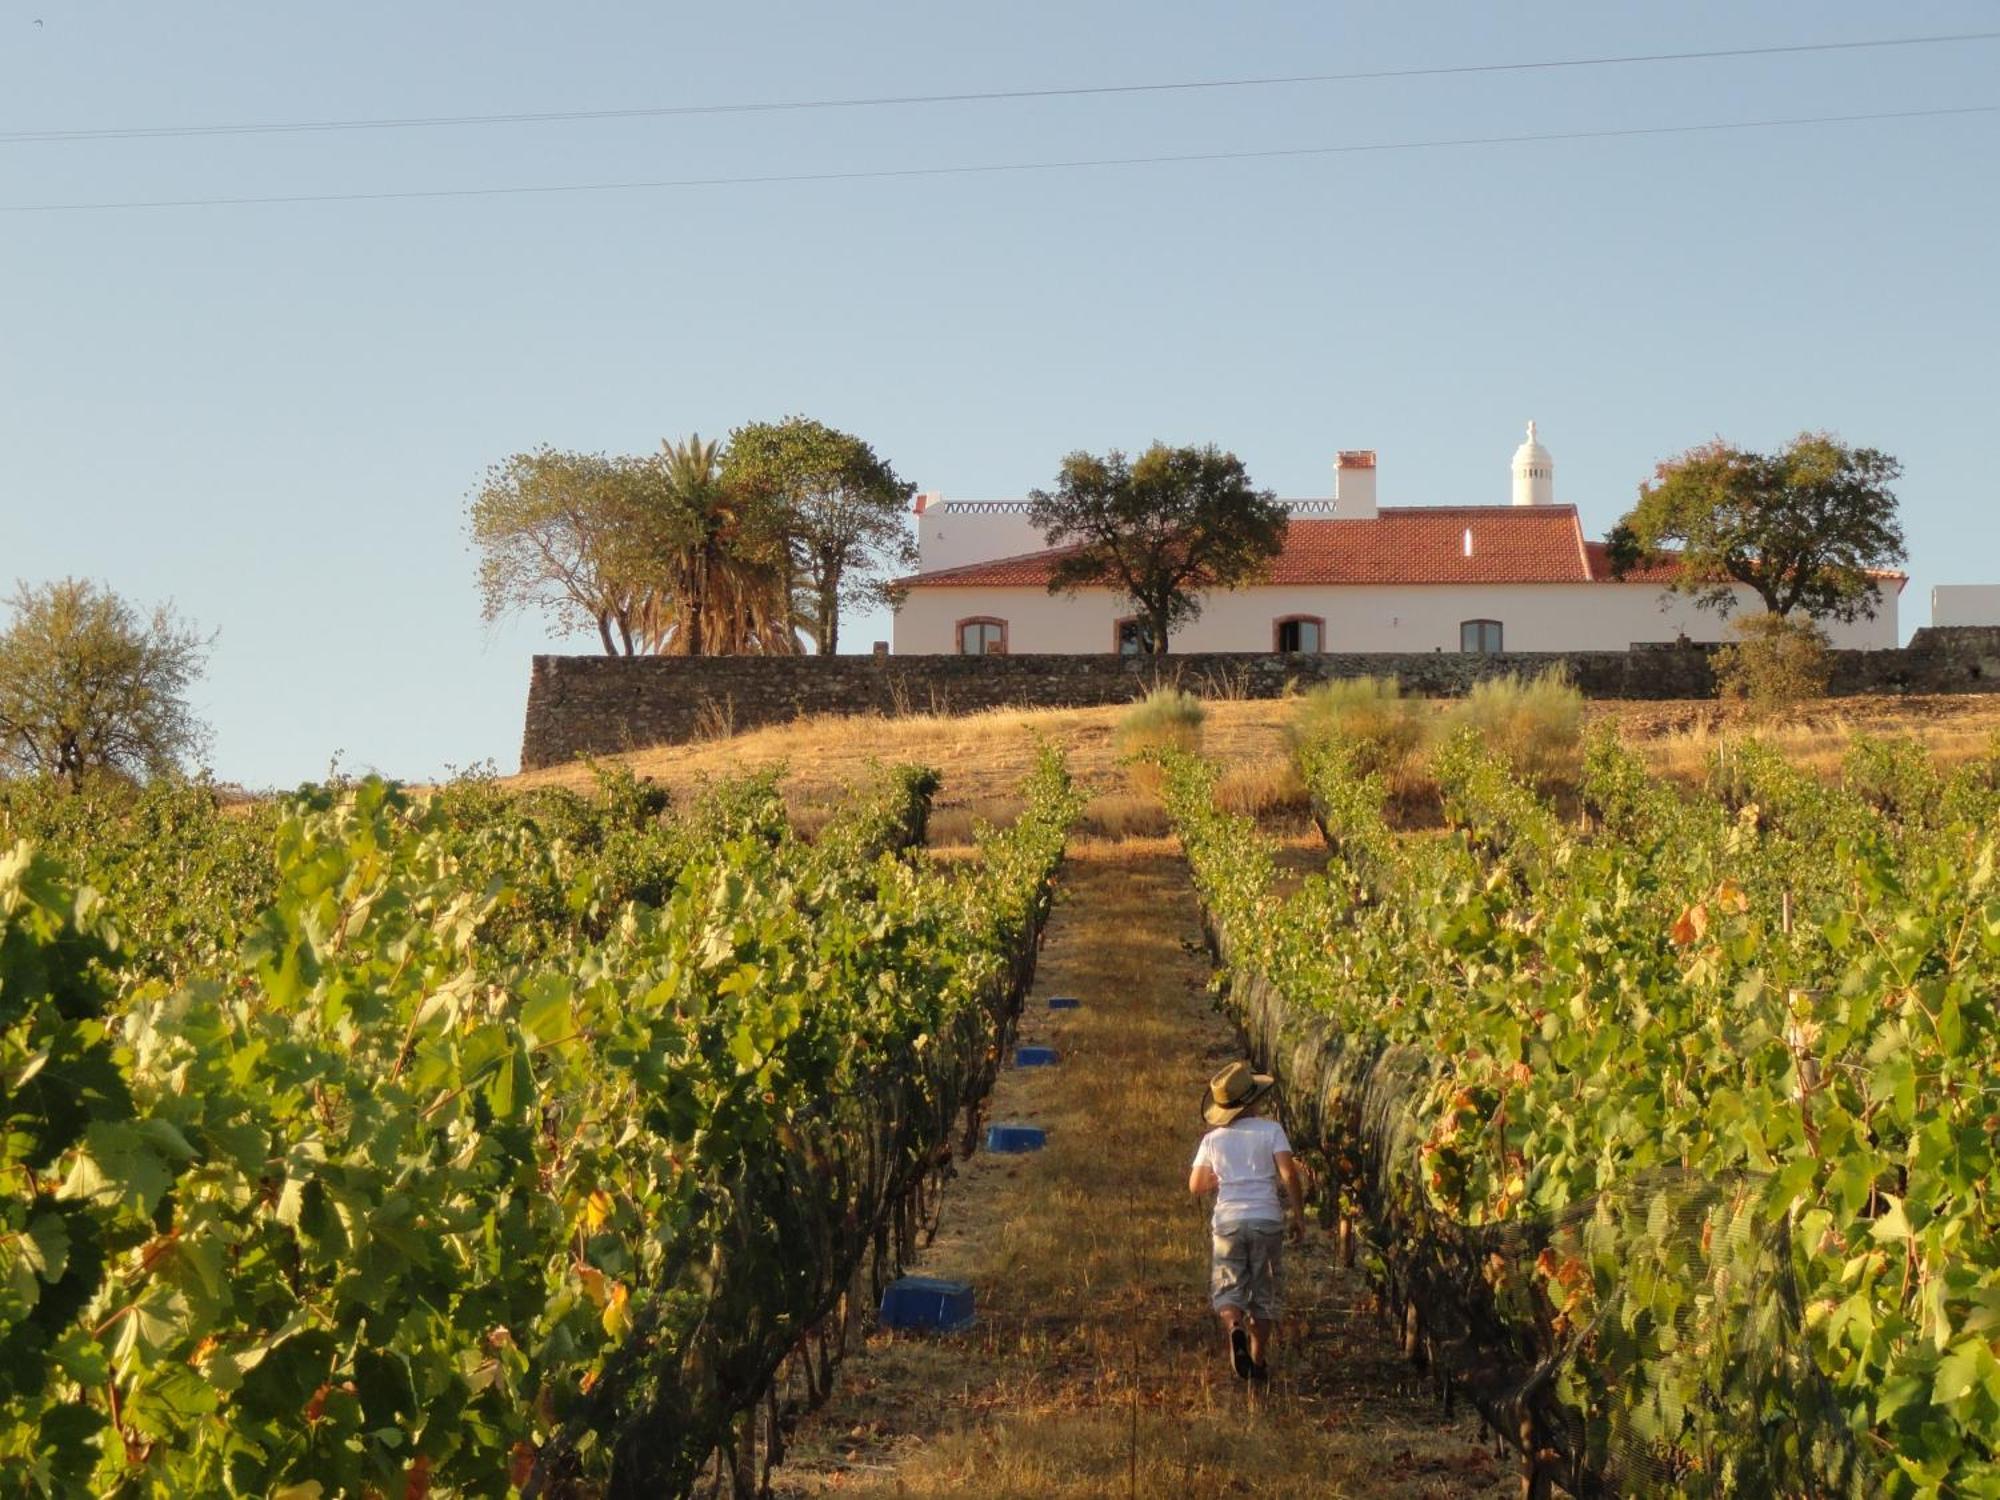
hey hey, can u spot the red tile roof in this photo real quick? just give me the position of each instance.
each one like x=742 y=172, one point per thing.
x=1660 y=568
x=1404 y=544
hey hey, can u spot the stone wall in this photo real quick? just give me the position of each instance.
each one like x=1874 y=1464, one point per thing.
x=598 y=705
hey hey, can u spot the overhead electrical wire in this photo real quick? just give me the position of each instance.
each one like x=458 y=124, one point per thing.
x=541 y=117
x=1079 y=164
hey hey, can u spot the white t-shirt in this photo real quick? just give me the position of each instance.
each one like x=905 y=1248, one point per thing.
x=1243 y=1157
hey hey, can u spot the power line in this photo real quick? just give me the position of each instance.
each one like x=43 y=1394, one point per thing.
x=544 y=117
x=885 y=173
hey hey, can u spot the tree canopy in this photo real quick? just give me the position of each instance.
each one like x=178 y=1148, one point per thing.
x=657 y=552
x=1160 y=529
x=577 y=536
x=698 y=549
x=88 y=685
x=720 y=578
x=843 y=513
x=1802 y=527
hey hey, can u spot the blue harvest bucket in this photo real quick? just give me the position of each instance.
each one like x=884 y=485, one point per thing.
x=1065 y=1002
x=1036 y=1057
x=1015 y=1137
x=927 y=1302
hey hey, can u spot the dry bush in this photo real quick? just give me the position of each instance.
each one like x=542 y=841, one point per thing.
x=1117 y=816
x=1776 y=662
x=1388 y=730
x=1261 y=788
x=1536 y=723
x=1165 y=719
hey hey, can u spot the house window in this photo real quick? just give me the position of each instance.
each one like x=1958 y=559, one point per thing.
x=982 y=635
x=1304 y=633
x=1479 y=635
x=1135 y=637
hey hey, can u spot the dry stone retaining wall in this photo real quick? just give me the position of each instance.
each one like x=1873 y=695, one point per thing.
x=599 y=705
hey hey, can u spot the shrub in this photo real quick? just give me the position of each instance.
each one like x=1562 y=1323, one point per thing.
x=1536 y=723
x=1165 y=719
x=1775 y=662
x=1386 y=730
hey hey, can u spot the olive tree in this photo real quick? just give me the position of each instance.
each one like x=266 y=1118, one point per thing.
x=88 y=684
x=1160 y=529
x=1803 y=528
x=843 y=510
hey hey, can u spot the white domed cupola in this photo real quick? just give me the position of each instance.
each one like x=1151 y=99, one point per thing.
x=1534 y=473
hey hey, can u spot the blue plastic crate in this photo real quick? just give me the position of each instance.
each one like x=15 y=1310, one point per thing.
x=1065 y=1002
x=927 y=1302
x=1016 y=1137
x=1036 y=1057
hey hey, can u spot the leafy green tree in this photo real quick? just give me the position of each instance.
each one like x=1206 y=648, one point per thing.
x=577 y=536
x=89 y=685
x=1801 y=528
x=721 y=586
x=1160 y=529
x=844 y=509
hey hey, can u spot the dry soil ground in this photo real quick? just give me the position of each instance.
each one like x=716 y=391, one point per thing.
x=1094 y=1368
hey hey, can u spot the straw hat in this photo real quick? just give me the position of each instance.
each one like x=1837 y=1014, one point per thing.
x=1232 y=1091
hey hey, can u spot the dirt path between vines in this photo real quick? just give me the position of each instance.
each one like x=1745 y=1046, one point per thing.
x=1094 y=1369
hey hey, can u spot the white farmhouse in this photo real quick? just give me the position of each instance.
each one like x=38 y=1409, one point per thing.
x=1354 y=576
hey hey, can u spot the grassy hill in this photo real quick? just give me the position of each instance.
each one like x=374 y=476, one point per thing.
x=983 y=756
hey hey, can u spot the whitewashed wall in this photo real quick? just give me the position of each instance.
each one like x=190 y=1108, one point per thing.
x=952 y=532
x=1965 y=604
x=1535 y=617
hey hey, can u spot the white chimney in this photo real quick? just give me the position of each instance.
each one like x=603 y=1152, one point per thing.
x=1354 y=485
x=1534 y=473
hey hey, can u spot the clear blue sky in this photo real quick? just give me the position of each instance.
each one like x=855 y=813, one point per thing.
x=271 y=415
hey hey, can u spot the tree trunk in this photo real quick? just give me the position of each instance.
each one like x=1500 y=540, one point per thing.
x=604 y=632
x=829 y=614
x=1157 y=624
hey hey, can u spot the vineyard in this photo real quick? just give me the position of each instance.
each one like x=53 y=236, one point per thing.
x=498 y=1142
x=371 y=1143
x=1667 y=1122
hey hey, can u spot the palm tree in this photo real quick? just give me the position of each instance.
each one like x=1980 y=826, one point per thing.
x=725 y=580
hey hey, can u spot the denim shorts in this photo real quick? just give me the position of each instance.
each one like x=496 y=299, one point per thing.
x=1246 y=1269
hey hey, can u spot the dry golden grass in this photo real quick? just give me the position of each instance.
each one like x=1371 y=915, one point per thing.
x=1095 y=1368
x=983 y=756
x=1953 y=730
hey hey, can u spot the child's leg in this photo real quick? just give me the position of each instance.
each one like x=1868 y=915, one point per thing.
x=1228 y=1285
x=1267 y=1291
x=1263 y=1338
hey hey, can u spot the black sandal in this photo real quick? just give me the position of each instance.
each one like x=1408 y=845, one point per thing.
x=1239 y=1352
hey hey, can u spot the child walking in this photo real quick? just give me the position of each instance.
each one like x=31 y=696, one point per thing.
x=1246 y=1160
